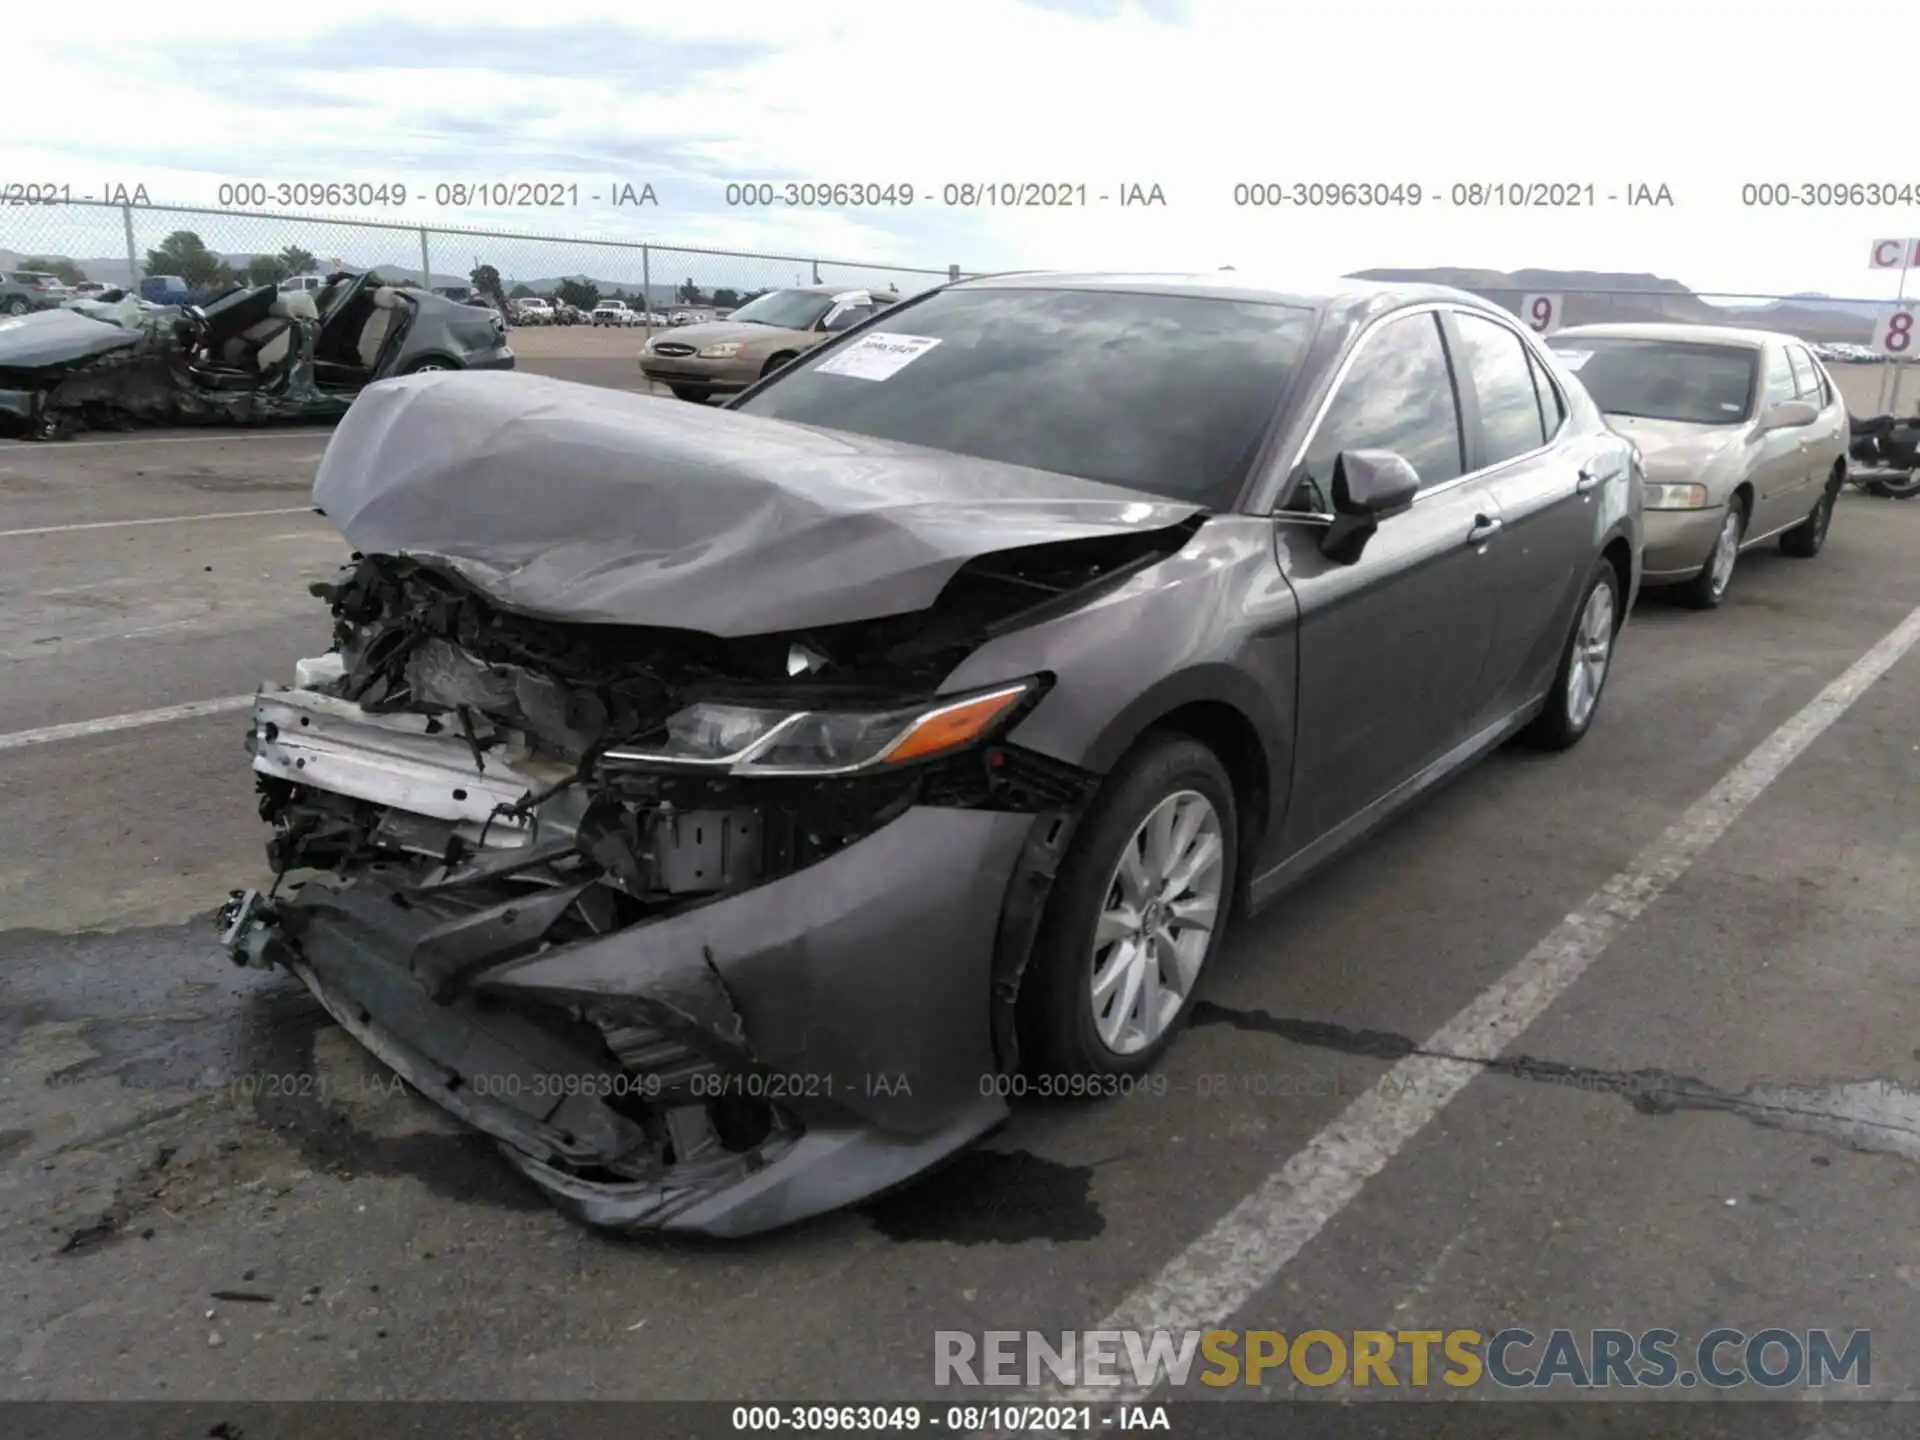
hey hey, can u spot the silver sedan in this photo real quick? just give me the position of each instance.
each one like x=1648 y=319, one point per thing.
x=1743 y=432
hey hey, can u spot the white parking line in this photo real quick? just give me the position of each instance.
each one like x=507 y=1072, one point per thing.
x=160 y=520
x=58 y=447
x=107 y=724
x=1208 y=1282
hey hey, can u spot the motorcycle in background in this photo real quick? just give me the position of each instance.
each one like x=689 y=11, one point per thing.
x=1883 y=455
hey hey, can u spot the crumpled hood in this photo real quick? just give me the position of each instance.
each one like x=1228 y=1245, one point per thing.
x=57 y=337
x=591 y=505
x=1671 y=446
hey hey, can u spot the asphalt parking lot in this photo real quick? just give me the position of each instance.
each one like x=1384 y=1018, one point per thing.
x=1698 y=928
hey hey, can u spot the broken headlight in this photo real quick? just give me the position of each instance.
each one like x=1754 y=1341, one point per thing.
x=748 y=740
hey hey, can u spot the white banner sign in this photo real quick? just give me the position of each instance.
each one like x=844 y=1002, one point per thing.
x=1542 y=313
x=1894 y=255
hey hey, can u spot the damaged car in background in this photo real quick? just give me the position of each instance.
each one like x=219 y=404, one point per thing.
x=255 y=355
x=721 y=808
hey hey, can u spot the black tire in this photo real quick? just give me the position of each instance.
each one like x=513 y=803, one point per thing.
x=1055 y=1015
x=1558 y=726
x=774 y=362
x=18 y=306
x=690 y=393
x=1904 y=489
x=1806 y=539
x=430 y=362
x=1704 y=592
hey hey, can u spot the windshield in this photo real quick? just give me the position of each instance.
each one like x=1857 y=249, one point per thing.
x=789 y=309
x=1170 y=394
x=1662 y=379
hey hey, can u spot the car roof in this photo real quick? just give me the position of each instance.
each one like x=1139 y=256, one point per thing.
x=1341 y=291
x=1696 y=334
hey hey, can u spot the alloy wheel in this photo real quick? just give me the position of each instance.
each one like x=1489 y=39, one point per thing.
x=1592 y=653
x=1726 y=550
x=1161 y=904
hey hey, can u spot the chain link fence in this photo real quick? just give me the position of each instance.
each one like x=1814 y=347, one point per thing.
x=120 y=244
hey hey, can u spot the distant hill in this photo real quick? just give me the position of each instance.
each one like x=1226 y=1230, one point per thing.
x=1656 y=298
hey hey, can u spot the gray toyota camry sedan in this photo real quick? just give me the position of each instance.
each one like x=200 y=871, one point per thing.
x=729 y=811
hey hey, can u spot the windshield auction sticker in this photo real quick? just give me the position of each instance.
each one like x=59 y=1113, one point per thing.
x=877 y=357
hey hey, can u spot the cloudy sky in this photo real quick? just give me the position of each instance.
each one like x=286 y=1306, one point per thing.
x=1194 y=96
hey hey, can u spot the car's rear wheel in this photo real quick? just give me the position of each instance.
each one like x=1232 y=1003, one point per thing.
x=1806 y=539
x=1137 y=911
x=423 y=367
x=18 y=306
x=1707 y=589
x=1584 y=666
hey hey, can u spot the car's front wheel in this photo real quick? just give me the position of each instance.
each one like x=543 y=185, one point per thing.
x=1707 y=589
x=424 y=367
x=1137 y=911
x=17 y=306
x=1584 y=665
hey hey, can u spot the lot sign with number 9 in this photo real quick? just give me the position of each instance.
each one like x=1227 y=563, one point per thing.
x=1542 y=313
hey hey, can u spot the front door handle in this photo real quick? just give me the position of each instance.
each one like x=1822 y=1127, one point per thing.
x=1485 y=527
x=1587 y=481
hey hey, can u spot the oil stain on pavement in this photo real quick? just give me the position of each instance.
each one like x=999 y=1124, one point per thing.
x=992 y=1197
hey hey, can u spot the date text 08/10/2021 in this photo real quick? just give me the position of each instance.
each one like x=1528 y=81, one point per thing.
x=1266 y=193
x=389 y=195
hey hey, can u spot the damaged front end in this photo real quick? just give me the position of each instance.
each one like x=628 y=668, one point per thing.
x=710 y=934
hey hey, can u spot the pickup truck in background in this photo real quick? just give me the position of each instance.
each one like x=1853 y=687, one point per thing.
x=168 y=290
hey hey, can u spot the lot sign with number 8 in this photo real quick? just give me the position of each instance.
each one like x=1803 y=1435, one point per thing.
x=1894 y=335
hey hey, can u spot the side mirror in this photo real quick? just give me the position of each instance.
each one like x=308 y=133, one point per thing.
x=1368 y=486
x=1788 y=415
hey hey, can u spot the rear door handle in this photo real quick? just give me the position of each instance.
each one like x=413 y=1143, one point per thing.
x=1485 y=527
x=1587 y=481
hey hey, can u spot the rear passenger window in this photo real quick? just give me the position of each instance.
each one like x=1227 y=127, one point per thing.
x=1502 y=377
x=1808 y=381
x=1397 y=396
x=1553 y=410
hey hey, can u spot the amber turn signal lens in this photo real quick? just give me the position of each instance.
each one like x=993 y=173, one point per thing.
x=952 y=727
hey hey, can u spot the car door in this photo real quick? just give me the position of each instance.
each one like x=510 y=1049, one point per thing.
x=1391 y=647
x=1825 y=440
x=1514 y=419
x=1778 y=468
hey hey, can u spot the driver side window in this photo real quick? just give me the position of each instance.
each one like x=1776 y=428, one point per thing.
x=1398 y=395
x=1780 y=382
